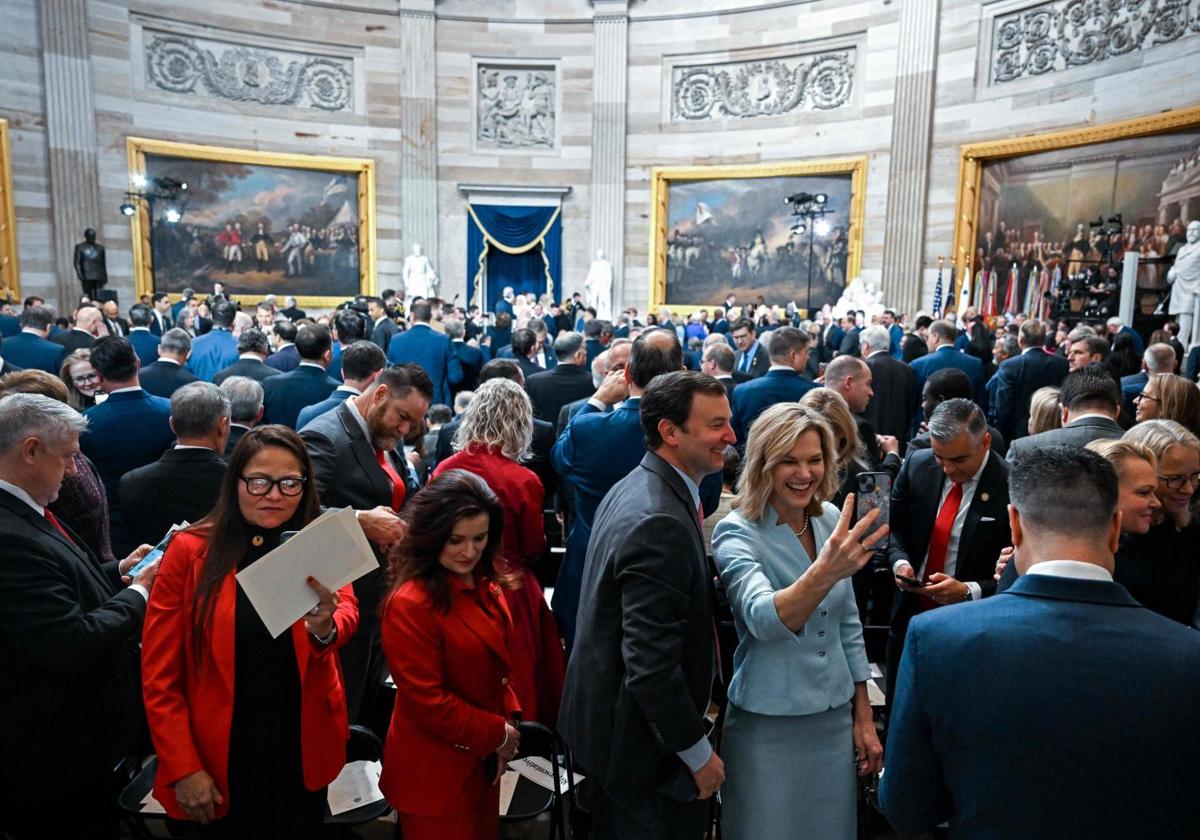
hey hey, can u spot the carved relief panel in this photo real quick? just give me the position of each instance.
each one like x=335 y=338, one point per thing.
x=516 y=105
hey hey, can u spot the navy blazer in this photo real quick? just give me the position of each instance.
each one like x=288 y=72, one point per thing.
x=420 y=345
x=126 y=431
x=595 y=451
x=752 y=398
x=211 y=352
x=472 y=361
x=145 y=344
x=311 y=412
x=945 y=357
x=9 y=325
x=1017 y=379
x=286 y=359
x=163 y=378
x=32 y=352
x=255 y=369
x=285 y=395
x=1064 y=695
x=1131 y=386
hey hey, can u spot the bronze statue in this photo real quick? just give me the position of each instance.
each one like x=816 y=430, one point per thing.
x=90 y=265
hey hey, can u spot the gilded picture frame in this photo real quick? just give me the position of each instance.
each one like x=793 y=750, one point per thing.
x=357 y=249
x=847 y=176
x=974 y=157
x=10 y=274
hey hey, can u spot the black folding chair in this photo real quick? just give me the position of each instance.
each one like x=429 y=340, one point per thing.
x=140 y=782
x=364 y=745
x=531 y=799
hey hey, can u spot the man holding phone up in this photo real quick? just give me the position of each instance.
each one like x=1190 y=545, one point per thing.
x=949 y=517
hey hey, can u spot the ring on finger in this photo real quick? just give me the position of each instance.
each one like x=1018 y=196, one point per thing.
x=864 y=546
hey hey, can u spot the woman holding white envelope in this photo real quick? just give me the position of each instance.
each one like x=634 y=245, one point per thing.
x=249 y=730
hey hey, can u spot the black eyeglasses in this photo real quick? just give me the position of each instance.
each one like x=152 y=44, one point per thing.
x=1176 y=482
x=290 y=485
x=1144 y=396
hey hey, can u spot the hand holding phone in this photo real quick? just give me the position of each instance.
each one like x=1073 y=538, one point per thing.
x=873 y=491
x=911 y=581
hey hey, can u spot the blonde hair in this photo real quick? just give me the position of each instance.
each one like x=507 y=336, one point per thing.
x=1045 y=411
x=1160 y=437
x=772 y=437
x=1118 y=452
x=1178 y=399
x=499 y=415
x=834 y=409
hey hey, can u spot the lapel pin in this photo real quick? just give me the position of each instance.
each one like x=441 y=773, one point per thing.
x=983 y=497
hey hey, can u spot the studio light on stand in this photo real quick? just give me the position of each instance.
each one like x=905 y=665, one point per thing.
x=809 y=209
x=150 y=190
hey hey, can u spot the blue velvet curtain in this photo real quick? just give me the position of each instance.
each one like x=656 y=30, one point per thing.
x=522 y=243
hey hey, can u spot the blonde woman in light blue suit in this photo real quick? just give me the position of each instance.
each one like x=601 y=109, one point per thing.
x=799 y=722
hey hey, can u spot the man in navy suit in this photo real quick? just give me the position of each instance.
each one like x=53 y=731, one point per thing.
x=752 y=359
x=284 y=396
x=284 y=355
x=1019 y=377
x=128 y=430
x=431 y=350
x=167 y=374
x=9 y=325
x=788 y=349
x=252 y=352
x=942 y=354
x=470 y=358
x=348 y=327
x=1115 y=328
x=145 y=343
x=178 y=306
x=31 y=348
x=594 y=339
x=1158 y=358
x=1029 y=715
x=160 y=314
x=599 y=447
x=361 y=363
x=217 y=348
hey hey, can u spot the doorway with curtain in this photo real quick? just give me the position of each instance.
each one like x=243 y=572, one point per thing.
x=517 y=246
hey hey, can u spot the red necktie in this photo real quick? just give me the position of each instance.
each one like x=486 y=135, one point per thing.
x=53 y=520
x=939 y=540
x=393 y=476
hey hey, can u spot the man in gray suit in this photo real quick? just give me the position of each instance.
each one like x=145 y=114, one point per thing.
x=1091 y=401
x=639 y=679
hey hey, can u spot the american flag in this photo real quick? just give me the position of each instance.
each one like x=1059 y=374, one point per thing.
x=950 y=292
x=937 y=294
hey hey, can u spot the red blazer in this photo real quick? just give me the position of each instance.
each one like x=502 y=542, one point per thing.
x=190 y=710
x=452 y=696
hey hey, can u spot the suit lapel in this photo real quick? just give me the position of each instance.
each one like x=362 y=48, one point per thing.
x=364 y=453
x=474 y=618
x=986 y=487
x=667 y=473
x=74 y=544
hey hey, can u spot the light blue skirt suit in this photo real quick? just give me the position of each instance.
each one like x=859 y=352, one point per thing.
x=788 y=745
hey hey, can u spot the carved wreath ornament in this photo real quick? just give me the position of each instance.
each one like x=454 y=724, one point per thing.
x=764 y=88
x=244 y=74
x=1072 y=33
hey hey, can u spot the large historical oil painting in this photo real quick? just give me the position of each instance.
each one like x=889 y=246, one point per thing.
x=723 y=230
x=259 y=224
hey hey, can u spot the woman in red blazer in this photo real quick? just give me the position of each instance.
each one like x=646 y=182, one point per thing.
x=446 y=637
x=249 y=730
x=496 y=430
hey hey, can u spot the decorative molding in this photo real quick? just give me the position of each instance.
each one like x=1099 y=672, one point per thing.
x=516 y=105
x=1060 y=35
x=515 y=195
x=772 y=87
x=199 y=66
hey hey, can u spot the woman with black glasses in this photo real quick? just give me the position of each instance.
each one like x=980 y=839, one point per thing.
x=249 y=730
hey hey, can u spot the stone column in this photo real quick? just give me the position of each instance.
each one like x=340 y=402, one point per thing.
x=609 y=92
x=71 y=134
x=418 y=128
x=908 y=177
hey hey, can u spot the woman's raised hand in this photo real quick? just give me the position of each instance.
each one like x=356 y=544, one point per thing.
x=845 y=552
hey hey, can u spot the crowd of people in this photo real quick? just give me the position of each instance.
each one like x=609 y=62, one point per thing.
x=1023 y=583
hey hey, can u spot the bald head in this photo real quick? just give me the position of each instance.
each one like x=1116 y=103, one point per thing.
x=1159 y=358
x=89 y=318
x=850 y=376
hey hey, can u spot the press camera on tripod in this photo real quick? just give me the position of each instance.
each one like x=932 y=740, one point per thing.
x=1093 y=290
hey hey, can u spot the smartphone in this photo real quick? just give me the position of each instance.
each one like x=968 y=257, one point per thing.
x=155 y=554
x=873 y=491
x=911 y=581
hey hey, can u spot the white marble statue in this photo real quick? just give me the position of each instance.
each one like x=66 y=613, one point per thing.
x=420 y=280
x=1184 y=278
x=861 y=295
x=597 y=287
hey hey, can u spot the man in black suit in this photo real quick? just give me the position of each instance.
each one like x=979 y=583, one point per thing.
x=168 y=373
x=291 y=311
x=950 y=384
x=597 y=334
x=569 y=380
x=382 y=327
x=184 y=483
x=286 y=395
x=89 y=325
x=1091 y=402
x=524 y=347
x=851 y=345
x=471 y=358
x=639 y=679
x=113 y=321
x=160 y=314
x=245 y=397
x=949 y=517
x=358 y=454
x=894 y=385
x=718 y=362
x=1018 y=378
x=752 y=359
x=71 y=706
x=284 y=355
x=252 y=348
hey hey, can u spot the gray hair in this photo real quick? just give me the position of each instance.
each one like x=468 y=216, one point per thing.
x=1160 y=358
x=461 y=400
x=245 y=398
x=501 y=415
x=720 y=355
x=567 y=344
x=956 y=417
x=176 y=341
x=876 y=337
x=1081 y=331
x=1013 y=348
x=37 y=317
x=32 y=415
x=197 y=408
x=454 y=328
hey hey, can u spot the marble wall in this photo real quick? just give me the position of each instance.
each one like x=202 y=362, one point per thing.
x=402 y=80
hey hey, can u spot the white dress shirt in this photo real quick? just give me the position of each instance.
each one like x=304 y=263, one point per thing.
x=1076 y=569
